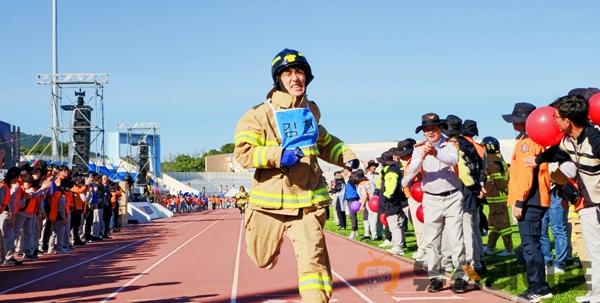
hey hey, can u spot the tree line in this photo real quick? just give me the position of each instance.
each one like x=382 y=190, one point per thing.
x=193 y=162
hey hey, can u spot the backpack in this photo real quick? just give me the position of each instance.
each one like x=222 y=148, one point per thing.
x=350 y=194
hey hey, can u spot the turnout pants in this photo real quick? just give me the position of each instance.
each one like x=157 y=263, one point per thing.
x=444 y=213
x=264 y=236
x=499 y=225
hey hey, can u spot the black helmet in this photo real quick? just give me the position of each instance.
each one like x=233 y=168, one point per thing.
x=492 y=145
x=290 y=58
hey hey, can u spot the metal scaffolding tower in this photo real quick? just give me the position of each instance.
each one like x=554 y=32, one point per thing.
x=72 y=82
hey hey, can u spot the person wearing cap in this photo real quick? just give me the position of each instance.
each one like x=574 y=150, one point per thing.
x=282 y=138
x=435 y=160
x=405 y=150
x=393 y=200
x=373 y=226
x=581 y=145
x=529 y=196
x=496 y=186
x=337 y=192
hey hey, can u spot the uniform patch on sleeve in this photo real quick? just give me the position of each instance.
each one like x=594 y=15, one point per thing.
x=524 y=147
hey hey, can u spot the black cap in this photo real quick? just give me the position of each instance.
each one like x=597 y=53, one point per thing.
x=469 y=128
x=405 y=147
x=430 y=119
x=454 y=123
x=387 y=158
x=519 y=113
x=372 y=163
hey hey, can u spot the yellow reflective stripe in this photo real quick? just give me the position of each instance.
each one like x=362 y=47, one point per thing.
x=506 y=231
x=259 y=157
x=312 y=150
x=315 y=281
x=337 y=151
x=275 y=60
x=272 y=143
x=249 y=137
x=502 y=197
x=326 y=140
x=290 y=200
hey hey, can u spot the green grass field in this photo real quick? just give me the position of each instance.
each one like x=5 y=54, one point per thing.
x=505 y=274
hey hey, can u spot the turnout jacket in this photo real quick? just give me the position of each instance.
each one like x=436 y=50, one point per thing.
x=257 y=145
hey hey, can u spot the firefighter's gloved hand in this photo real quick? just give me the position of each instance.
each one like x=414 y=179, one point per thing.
x=291 y=157
x=353 y=163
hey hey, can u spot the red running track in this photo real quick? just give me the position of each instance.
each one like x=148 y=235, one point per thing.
x=201 y=258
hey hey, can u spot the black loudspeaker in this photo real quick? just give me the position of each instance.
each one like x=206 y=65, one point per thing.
x=81 y=135
x=143 y=165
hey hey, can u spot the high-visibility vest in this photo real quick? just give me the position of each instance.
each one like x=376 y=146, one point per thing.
x=6 y=199
x=32 y=205
x=54 y=201
x=18 y=196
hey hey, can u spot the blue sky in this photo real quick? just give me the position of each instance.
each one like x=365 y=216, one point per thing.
x=196 y=66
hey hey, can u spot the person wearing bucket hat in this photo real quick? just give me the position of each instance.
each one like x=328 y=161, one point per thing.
x=453 y=125
x=405 y=150
x=281 y=139
x=393 y=199
x=430 y=119
x=469 y=130
x=442 y=200
x=529 y=196
x=471 y=173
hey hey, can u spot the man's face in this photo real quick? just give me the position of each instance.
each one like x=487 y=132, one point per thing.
x=432 y=133
x=294 y=81
x=372 y=169
x=563 y=123
x=104 y=179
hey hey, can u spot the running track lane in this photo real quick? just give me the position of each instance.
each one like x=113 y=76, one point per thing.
x=92 y=273
x=198 y=263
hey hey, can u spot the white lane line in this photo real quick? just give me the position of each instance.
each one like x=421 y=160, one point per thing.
x=76 y=265
x=427 y=298
x=236 y=271
x=114 y=294
x=84 y=262
x=354 y=289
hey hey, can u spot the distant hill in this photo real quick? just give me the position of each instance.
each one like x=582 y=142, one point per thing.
x=28 y=141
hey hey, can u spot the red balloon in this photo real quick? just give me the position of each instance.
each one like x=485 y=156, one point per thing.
x=383 y=219
x=542 y=128
x=374 y=203
x=594 y=113
x=416 y=191
x=420 y=215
